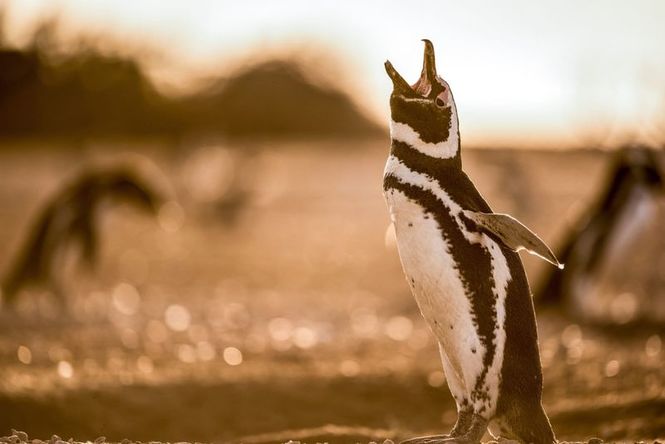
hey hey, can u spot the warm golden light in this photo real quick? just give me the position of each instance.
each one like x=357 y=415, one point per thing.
x=523 y=73
x=196 y=246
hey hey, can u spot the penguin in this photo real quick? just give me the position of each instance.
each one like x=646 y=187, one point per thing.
x=597 y=242
x=70 y=218
x=462 y=267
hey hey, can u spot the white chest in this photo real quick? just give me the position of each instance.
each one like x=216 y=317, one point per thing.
x=426 y=258
x=437 y=287
x=430 y=269
x=435 y=280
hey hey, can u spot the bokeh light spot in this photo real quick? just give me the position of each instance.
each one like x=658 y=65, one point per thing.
x=436 y=378
x=126 y=299
x=65 y=369
x=653 y=346
x=623 y=308
x=280 y=329
x=232 y=356
x=571 y=335
x=399 y=328
x=304 y=337
x=24 y=354
x=209 y=173
x=177 y=317
x=612 y=368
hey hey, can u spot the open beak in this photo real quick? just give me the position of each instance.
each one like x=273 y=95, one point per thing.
x=427 y=77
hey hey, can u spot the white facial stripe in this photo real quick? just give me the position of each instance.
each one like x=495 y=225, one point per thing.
x=443 y=150
x=414 y=99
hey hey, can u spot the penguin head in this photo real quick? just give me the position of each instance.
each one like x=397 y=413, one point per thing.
x=427 y=108
x=125 y=185
x=642 y=165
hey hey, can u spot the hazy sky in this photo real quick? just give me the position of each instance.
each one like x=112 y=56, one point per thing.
x=520 y=69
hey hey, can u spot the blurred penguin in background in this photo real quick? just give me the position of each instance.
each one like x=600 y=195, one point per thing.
x=611 y=237
x=70 y=222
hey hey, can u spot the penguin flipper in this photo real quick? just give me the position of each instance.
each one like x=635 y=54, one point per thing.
x=513 y=234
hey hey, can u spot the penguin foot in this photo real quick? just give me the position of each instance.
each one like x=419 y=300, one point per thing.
x=474 y=432
x=431 y=439
x=461 y=440
x=466 y=421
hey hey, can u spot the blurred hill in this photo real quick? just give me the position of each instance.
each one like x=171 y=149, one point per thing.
x=84 y=92
x=274 y=98
x=87 y=94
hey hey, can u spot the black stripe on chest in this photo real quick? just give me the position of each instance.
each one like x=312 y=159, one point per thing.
x=474 y=266
x=446 y=172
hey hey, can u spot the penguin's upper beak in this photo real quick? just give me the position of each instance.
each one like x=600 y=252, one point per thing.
x=427 y=77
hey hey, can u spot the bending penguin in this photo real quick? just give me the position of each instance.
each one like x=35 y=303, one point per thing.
x=596 y=245
x=70 y=219
x=460 y=261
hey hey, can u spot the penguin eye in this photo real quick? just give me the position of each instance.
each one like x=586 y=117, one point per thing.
x=439 y=102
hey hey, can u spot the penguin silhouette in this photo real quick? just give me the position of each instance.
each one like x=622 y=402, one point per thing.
x=634 y=182
x=70 y=218
x=461 y=264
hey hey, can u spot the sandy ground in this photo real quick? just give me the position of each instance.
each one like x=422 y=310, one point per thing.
x=295 y=322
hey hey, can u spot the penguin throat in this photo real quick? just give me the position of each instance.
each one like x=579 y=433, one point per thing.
x=446 y=149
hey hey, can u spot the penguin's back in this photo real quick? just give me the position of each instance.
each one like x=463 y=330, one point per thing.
x=519 y=407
